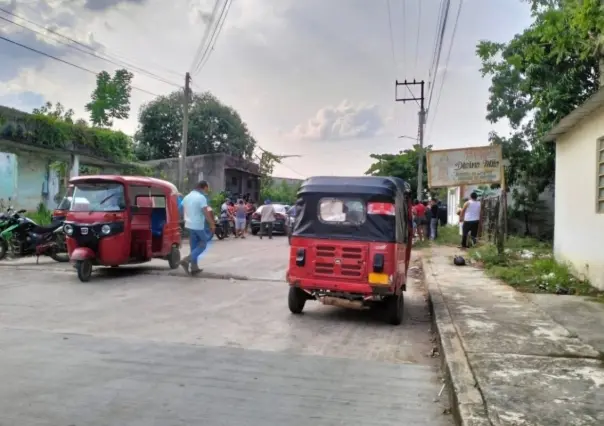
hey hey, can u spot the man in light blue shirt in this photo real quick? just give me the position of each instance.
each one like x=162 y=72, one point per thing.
x=196 y=212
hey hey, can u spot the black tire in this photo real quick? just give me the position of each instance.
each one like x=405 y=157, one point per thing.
x=84 y=269
x=3 y=249
x=395 y=309
x=174 y=257
x=219 y=234
x=255 y=231
x=296 y=300
x=59 y=257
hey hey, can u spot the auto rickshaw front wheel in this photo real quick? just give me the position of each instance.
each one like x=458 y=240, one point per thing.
x=174 y=257
x=84 y=269
x=395 y=308
x=296 y=300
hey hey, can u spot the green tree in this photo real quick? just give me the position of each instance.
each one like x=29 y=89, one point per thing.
x=402 y=165
x=540 y=76
x=213 y=128
x=56 y=111
x=282 y=193
x=110 y=98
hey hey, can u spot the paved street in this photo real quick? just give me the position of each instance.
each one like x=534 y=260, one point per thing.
x=149 y=346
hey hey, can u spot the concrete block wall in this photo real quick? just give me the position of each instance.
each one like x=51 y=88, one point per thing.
x=28 y=180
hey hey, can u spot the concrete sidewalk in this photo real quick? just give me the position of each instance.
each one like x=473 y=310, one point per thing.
x=507 y=361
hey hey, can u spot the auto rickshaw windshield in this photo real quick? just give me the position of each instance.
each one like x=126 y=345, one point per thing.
x=98 y=197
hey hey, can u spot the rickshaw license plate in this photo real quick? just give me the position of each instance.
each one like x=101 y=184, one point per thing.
x=375 y=278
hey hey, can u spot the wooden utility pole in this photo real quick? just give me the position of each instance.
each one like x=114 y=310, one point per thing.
x=422 y=122
x=182 y=158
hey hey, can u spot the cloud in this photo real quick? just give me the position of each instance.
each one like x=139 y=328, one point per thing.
x=108 y=4
x=345 y=121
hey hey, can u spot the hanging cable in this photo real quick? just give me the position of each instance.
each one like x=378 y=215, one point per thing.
x=88 y=49
x=65 y=62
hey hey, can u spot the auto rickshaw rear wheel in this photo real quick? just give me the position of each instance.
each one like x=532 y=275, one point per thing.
x=395 y=308
x=84 y=269
x=296 y=300
x=174 y=257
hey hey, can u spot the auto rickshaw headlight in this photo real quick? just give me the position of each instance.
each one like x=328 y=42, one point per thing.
x=105 y=229
x=68 y=229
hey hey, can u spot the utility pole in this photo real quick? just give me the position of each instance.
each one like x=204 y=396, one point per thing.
x=182 y=158
x=422 y=122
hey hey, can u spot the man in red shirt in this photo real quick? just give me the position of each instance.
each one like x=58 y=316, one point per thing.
x=419 y=214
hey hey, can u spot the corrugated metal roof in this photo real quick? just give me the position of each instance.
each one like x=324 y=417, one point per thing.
x=567 y=123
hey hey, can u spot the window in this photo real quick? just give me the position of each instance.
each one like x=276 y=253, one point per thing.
x=153 y=201
x=347 y=212
x=249 y=184
x=600 y=178
x=98 y=197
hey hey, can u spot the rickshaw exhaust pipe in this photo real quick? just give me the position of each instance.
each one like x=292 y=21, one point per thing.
x=342 y=303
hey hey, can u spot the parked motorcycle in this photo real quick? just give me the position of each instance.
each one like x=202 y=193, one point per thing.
x=23 y=237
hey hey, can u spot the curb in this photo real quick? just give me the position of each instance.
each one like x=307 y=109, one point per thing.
x=467 y=404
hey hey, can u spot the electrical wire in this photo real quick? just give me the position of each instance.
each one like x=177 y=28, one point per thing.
x=93 y=54
x=210 y=48
x=90 y=50
x=442 y=83
x=66 y=62
x=440 y=45
x=419 y=21
x=204 y=39
x=394 y=61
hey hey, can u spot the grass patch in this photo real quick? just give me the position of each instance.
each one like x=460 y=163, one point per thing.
x=529 y=266
x=42 y=216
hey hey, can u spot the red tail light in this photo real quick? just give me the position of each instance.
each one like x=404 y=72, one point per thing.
x=381 y=208
x=279 y=216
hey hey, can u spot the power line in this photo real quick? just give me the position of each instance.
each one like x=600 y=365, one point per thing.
x=91 y=50
x=204 y=39
x=394 y=61
x=210 y=48
x=439 y=50
x=419 y=22
x=93 y=54
x=442 y=83
x=66 y=62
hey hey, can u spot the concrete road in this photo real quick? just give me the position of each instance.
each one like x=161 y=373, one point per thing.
x=251 y=257
x=131 y=348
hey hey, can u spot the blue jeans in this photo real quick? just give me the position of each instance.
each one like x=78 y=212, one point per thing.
x=199 y=242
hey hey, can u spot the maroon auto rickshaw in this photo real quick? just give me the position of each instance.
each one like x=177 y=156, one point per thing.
x=351 y=244
x=118 y=220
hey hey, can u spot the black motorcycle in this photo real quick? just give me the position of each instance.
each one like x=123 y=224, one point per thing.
x=23 y=237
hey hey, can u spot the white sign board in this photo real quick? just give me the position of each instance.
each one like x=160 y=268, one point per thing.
x=465 y=166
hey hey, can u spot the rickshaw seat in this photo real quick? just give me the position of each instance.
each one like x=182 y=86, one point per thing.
x=158 y=220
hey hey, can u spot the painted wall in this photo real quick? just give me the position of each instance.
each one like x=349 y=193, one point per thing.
x=578 y=228
x=27 y=179
x=8 y=177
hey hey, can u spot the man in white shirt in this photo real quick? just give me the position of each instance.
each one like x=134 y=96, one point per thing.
x=267 y=219
x=196 y=213
x=470 y=216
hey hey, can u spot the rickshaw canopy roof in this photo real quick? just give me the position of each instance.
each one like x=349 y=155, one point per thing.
x=128 y=180
x=361 y=185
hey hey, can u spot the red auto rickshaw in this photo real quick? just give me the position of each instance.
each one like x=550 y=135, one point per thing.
x=351 y=244
x=118 y=220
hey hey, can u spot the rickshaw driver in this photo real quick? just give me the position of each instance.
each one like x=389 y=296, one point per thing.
x=196 y=214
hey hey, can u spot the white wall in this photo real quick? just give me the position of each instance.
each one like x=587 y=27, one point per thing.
x=453 y=200
x=579 y=230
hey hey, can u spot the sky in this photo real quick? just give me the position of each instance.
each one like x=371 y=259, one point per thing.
x=310 y=78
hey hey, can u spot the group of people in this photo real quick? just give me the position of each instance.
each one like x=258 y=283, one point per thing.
x=239 y=213
x=425 y=219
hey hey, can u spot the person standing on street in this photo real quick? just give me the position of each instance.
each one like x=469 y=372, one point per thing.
x=419 y=212
x=470 y=216
x=240 y=219
x=267 y=219
x=433 y=218
x=196 y=214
